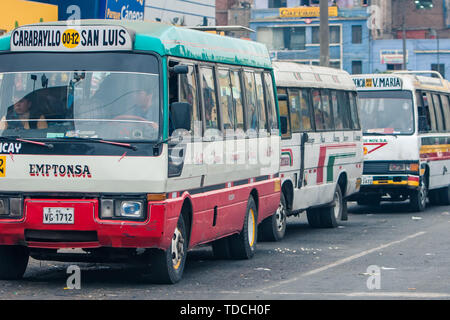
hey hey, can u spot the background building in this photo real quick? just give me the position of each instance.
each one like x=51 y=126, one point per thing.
x=179 y=12
x=290 y=29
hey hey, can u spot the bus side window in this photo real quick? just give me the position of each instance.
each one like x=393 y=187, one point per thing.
x=326 y=109
x=438 y=113
x=284 y=113
x=337 y=114
x=344 y=109
x=305 y=111
x=250 y=101
x=317 y=107
x=188 y=93
x=354 y=111
x=226 y=101
x=270 y=102
x=424 y=115
x=237 y=101
x=446 y=111
x=262 y=116
x=428 y=103
x=294 y=109
x=209 y=98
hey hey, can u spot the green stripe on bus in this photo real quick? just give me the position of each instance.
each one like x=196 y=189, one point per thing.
x=331 y=163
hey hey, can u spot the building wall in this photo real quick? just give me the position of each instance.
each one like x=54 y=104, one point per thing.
x=421 y=18
x=342 y=54
x=421 y=54
x=181 y=12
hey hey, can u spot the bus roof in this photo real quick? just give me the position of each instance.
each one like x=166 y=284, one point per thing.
x=402 y=80
x=168 y=40
x=292 y=74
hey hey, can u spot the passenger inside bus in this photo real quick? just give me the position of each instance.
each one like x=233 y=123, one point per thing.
x=23 y=115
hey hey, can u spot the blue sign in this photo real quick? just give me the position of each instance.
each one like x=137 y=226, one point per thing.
x=125 y=9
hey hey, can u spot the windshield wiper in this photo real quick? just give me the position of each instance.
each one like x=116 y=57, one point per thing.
x=16 y=138
x=120 y=144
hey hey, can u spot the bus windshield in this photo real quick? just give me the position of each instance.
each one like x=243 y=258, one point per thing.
x=107 y=104
x=386 y=112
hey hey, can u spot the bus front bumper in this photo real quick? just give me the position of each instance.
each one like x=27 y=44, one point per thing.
x=87 y=230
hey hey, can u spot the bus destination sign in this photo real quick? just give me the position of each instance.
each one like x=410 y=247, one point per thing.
x=71 y=38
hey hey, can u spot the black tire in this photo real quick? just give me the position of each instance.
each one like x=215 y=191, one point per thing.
x=221 y=249
x=444 y=196
x=167 y=266
x=13 y=262
x=313 y=216
x=243 y=245
x=435 y=197
x=274 y=227
x=418 y=198
x=330 y=217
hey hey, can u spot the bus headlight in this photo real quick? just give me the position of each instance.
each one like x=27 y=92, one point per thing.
x=11 y=208
x=397 y=167
x=118 y=208
x=130 y=209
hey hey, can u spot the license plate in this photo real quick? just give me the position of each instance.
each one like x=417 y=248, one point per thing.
x=59 y=216
x=367 y=180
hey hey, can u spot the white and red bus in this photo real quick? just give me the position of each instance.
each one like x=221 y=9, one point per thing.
x=321 y=146
x=133 y=141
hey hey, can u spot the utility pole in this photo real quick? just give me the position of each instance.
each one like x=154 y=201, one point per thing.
x=324 y=34
x=404 y=41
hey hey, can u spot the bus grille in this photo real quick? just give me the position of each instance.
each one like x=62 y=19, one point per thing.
x=60 y=236
x=375 y=167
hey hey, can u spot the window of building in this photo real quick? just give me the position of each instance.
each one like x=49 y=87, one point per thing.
x=357 y=34
x=292 y=38
x=335 y=35
x=356 y=67
x=277 y=3
x=439 y=68
x=396 y=66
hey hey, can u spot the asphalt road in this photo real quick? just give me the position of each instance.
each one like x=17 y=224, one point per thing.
x=379 y=253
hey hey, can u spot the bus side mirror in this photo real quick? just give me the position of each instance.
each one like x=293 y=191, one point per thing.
x=180 y=69
x=284 y=125
x=282 y=97
x=305 y=137
x=180 y=115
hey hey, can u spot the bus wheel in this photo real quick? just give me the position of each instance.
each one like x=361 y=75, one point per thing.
x=13 y=262
x=167 y=266
x=221 y=249
x=418 y=199
x=444 y=196
x=243 y=245
x=274 y=227
x=313 y=216
x=330 y=216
